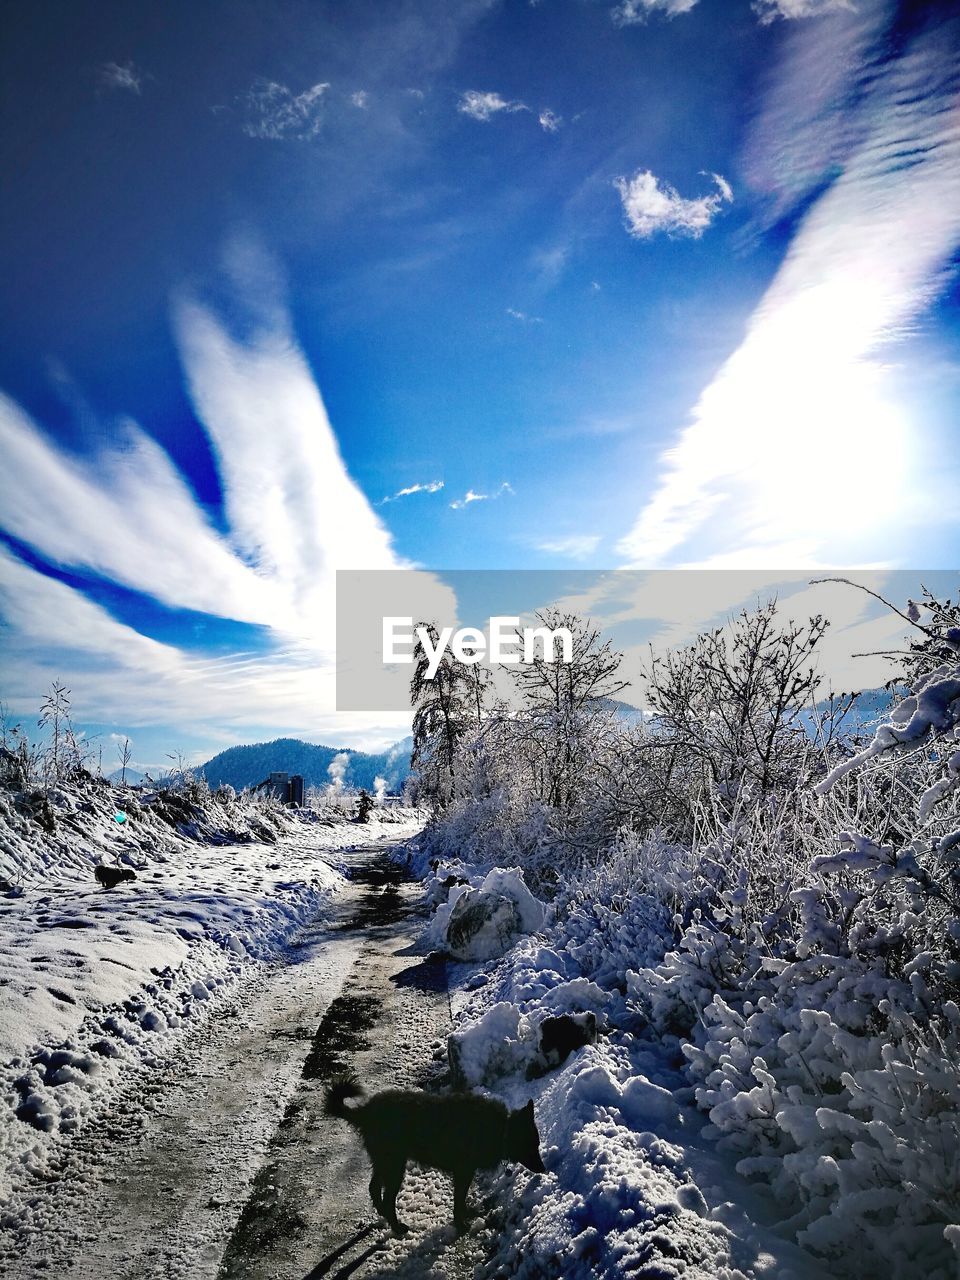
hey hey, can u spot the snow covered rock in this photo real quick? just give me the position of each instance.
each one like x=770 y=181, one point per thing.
x=502 y=1043
x=484 y=923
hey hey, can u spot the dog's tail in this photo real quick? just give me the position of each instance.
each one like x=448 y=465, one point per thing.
x=336 y=1097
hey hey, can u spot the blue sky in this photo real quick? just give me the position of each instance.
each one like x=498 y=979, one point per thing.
x=658 y=284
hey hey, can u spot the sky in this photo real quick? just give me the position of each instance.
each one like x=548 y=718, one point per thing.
x=458 y=284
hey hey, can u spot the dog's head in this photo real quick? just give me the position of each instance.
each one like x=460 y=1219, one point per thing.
x=523 y=1139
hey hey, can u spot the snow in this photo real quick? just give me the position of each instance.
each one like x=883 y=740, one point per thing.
x=97 y=982
x=632 y=1185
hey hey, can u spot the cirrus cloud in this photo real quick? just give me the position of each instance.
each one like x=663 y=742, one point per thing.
x=432 y=486
x=770 y=10
x=484 y=106
x=272 y=111
x=631 y=12
x=125 y=76
x=805 y=393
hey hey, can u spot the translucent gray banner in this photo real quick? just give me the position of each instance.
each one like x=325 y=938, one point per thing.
x=638 y=611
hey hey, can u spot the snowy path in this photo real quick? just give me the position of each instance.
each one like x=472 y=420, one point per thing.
x=222 y=1163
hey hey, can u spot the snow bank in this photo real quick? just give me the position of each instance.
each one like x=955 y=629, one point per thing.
x=98 y=982
x=624 y=1192
x=621 y=1195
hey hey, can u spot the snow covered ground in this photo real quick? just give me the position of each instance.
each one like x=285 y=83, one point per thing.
x=633 y=1188
x=97 y=982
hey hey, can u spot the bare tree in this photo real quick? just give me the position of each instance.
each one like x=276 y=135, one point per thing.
x=733 y=702
x=124 y=752
x=565 y=706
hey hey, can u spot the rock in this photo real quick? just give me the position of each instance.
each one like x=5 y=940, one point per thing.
x=482 y=925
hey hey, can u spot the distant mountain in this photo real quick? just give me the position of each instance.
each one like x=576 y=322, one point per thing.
x=246 y=766
x=870 y=708
x=624 y=711
x=132 y=776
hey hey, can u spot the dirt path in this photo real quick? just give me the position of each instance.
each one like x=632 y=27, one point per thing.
x=223 y=1164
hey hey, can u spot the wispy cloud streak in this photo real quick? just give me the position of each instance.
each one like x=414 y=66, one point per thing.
x=127 y=515
x=802 y=394
x=472 y=496
x=433 y=486
x=124 y=76
x=484 y=106
x=630 y=12
x=272 y=111
x=293 y=514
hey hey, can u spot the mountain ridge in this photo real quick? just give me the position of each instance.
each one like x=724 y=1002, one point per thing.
x=247 y=764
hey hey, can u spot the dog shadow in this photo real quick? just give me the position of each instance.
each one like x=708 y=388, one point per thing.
x=325 y=1266
x=417 y=1261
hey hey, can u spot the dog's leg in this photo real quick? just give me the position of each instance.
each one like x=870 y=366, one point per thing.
x=392 y=1179
x=376 y=1189
x=461 y=1185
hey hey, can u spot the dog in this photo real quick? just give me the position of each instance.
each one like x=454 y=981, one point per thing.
x=457 y=1132
x=558 y=1037
x=110 y=877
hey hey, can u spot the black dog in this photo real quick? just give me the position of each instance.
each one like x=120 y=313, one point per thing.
x=110 y=877
x=458 y=1132
x=559 y=1037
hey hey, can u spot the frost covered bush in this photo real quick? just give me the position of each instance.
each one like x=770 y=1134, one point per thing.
x=779 y=907
x=830 y=1064
x=619 y=911
x=851 y=1111
x=497 y=828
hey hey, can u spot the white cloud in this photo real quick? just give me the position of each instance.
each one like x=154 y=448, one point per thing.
x=523 y=317
x=550 y=122
x=293 y=510
x=484 y=106
x=122 y=677
x=473 y=496
x=127 y=515
x=630 y=12
x=769 y=10
x=810 y=120
x=433 y=486
x=360 y=99
x=578 y=546
x=272 y=111
x=804 y=396
x=723 y=186
x=125 y=76
x=653 y=206
x=293 y=513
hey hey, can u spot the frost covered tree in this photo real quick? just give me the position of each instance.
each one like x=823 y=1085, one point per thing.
x=124 y=754
x=732 y=704
x=64 y=755
x=565 y=708
x=446 y=706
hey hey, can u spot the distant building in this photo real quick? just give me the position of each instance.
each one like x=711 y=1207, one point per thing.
x=287 y=789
